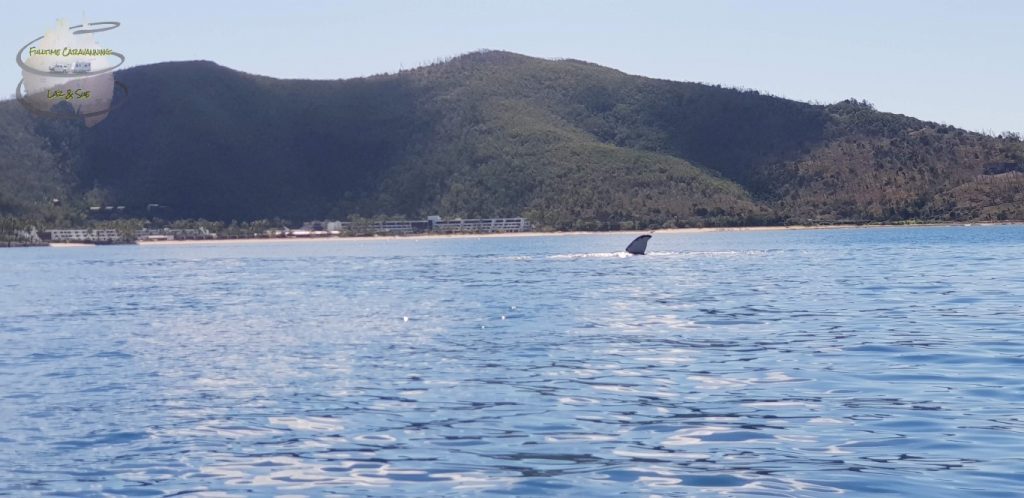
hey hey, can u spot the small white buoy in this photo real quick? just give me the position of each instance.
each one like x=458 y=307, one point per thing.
x=405 y=319
x=502 y=317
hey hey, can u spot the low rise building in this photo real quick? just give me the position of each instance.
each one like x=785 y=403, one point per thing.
x=100 y=235
x=404 y=227
x=482 y=225
x=174 y=234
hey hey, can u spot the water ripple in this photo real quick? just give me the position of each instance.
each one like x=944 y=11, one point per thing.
x=723 y=364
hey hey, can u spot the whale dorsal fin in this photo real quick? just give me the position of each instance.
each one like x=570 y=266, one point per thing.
x=639 y=245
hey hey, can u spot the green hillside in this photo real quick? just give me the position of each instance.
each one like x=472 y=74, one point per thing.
x=567 y=143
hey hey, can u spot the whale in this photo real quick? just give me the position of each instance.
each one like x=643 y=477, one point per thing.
x=639 y=245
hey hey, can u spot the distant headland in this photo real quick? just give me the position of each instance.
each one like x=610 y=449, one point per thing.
x=565 y=144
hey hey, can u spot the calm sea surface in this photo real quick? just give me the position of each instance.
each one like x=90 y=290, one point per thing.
x=793 y=363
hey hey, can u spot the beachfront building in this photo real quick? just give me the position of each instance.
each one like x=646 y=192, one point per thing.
x=30 y=235
x=100 y=235
x=154 y=234
x=433 y=224
x=482 y=225
x=388 y=227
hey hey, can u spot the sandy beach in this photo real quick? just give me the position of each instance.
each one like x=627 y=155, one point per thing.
x=314 y=240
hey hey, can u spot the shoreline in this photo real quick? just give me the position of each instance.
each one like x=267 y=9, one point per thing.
x=281 y=240
x=535 y=234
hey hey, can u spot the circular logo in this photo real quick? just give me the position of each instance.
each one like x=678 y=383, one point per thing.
x=66 y=74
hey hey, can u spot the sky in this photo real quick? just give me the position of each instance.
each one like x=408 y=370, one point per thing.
x=955 y=62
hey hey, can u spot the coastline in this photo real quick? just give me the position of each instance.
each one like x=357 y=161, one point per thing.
x=537 y=234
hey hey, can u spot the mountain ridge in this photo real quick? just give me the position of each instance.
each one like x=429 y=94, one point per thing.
x=568 y=143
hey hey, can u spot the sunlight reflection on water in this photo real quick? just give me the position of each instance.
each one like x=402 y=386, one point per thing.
x=741 y=364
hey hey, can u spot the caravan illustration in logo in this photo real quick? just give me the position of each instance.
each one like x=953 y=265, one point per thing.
x=67 y=74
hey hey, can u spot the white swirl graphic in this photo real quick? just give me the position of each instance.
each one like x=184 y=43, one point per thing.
x=67 y=65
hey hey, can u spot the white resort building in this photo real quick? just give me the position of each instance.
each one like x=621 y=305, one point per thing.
x=433 y=224
x=84 y=235
x=482 y=225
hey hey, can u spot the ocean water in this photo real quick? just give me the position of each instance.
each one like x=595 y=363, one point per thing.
x=881 y=362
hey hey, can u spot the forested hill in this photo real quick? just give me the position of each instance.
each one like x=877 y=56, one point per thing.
x=567 y=143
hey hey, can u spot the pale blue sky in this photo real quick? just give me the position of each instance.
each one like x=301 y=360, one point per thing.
x=956 y=62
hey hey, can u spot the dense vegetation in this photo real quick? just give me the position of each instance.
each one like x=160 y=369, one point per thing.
x=567 y=143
